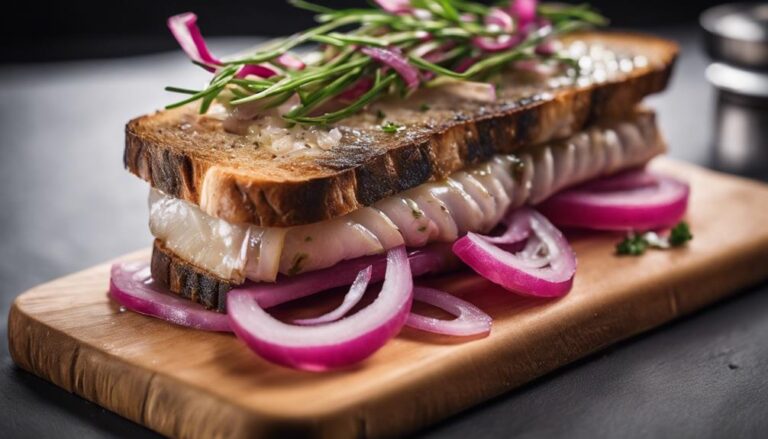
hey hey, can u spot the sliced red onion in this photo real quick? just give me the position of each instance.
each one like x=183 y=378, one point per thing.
x=470 y=320
x=291 y=61
x=547 y=48
x=626 y=202
x=132 y=286
x=352 y=298
x=516 y=232
x=498 y=44
x=395 y=6
x=331 y=345
x=260 y=70
x=357 y=89
x=524 y=11
x=499 y=17
x=633 y=179
x=522 y=272
x=394 y=59
x=184 y=29
x=465 y=64
x=428 y=259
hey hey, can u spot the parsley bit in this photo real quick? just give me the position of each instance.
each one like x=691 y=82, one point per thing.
x=380 y=114
x=636 y=245
x=391 y=127
x=424 y=107
x=633 y=245
x=680 y=234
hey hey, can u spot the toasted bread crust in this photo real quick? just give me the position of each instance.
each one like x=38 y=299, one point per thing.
x=303 y=192
x=188 y=281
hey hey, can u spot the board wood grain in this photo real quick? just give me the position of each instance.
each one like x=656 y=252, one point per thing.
x=192 y=384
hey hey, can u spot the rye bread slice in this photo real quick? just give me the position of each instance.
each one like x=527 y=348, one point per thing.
x=187 y=280
x=193 y=158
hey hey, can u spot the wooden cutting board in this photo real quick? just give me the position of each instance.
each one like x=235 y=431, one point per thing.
x=192 y=384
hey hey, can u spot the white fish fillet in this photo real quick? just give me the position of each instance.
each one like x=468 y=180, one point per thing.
x=474 y=199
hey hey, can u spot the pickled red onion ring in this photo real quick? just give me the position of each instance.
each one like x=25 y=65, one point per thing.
x=332 y=345
x=470 y=320
x=352 y=298
x=639 y=200
x=523 y=272
x=131 y=285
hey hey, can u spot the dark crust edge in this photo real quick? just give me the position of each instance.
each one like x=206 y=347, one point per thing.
x=188 y=281
x=283 y=204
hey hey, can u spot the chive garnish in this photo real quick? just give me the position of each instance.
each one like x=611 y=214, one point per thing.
x=338 y=65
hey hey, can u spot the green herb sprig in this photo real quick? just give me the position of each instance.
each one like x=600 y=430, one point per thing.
x=339 y=65
x=636 y=244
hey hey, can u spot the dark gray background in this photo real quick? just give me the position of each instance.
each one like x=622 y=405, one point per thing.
x=66 y=204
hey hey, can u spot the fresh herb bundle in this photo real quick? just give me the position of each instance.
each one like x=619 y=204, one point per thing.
x=364 y=54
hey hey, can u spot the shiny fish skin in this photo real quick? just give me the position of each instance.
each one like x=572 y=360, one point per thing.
x=474 y=199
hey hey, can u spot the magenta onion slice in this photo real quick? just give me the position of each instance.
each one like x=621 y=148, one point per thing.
x=516 y=231
x=523 y=272
x=465 y=63
x=184 y=29
x=498 y=44
x=352 y=298
x=260 y=70
x=429 y=259
x=470 y=320
x=132 y=286
x=500 y=18
x=290 y=61
x=395 y=6
x=357 y=89
x=638 y=200
x=395 y=60
x=632 y=179
x=331 y=345
x=524 y=11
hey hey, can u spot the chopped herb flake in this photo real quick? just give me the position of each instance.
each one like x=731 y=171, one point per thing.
x=391 y=127
x=380 y=114
x=680 y=234
x=298 y=262
x=636 y=244
x=422 y=229
x=424 y=107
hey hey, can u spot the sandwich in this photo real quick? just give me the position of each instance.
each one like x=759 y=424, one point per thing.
x=388 y=143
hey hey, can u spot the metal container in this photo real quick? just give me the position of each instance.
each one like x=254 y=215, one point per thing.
x=736 y=38
x=737 y=34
